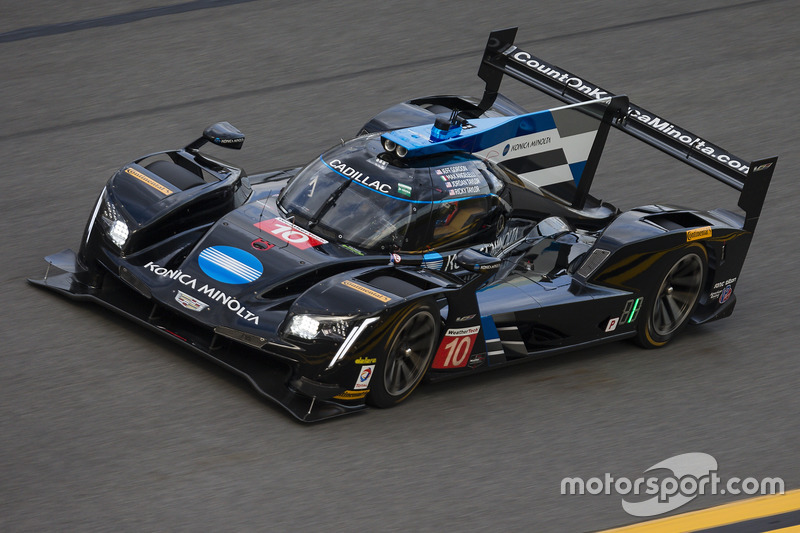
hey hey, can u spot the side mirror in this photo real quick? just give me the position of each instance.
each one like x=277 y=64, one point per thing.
x=478 y=262
x=222 y=134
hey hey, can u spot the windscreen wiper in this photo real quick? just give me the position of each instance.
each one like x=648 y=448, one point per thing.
x=327 y=204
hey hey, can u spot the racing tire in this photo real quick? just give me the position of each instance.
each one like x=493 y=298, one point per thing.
x=409 y=350
x=672 y=303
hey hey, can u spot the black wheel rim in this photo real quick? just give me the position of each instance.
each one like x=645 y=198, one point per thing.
x=410 y=354
x=677 y=295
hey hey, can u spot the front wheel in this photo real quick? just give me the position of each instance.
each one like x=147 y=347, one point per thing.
x=410 y=348
x=671 y=305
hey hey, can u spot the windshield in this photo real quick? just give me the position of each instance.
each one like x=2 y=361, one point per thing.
x=346 y=206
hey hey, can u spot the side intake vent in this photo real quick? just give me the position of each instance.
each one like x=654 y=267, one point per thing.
x=594 y=260
x=677 y=220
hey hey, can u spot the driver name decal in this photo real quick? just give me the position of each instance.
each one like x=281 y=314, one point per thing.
x=456 y=348
x=289 y=233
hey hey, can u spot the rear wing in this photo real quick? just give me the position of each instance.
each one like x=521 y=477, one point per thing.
x=751 y=178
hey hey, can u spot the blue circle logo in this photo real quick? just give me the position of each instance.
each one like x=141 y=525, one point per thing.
x=230 y=265
x=506 y=149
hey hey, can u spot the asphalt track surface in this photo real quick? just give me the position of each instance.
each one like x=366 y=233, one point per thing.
x=106 y=427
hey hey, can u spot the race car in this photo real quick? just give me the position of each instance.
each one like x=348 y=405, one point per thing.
x=451 y=235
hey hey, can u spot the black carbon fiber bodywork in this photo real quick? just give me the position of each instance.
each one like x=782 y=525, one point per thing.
x=304 y=296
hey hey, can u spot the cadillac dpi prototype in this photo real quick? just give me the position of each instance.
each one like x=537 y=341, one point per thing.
x=452 y=235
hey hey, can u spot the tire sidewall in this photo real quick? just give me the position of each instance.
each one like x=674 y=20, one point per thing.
x=378 y=395
x=646 y=336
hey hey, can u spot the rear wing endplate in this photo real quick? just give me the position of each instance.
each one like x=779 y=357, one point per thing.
x=751 y=178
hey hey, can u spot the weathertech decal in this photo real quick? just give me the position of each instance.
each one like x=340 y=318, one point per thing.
x=288 y=232
x=149 y=181
x=697 y=234
x=366 y=290
x=455 y=348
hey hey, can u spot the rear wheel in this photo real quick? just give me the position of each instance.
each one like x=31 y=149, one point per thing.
x=408 y=355
x=669 y=308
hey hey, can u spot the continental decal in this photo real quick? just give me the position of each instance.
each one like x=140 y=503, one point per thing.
x=351 y=395
x=697 y=234
x=366 y=290
x=149 y=181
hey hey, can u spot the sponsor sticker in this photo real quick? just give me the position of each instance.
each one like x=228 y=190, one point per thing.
x=351 y=249
x=228 y=301
x=456 y=348
x=365 y=290
x=477 y=360
x=404 y=189
x=698 y=233
x=190 y=302
x=726 y=293
x=288 y=232
x=231 y=265
x=366 y=361
x=349 y=172
x=362 y=382
x=166 y=191
x=729 y=281
x=261 y=245
x=351 y=395
x=432 y=260
x=612 y=324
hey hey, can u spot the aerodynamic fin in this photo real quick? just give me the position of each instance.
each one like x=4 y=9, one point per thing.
x=556 y=150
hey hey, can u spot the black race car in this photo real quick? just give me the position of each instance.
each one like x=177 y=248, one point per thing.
x=450 y=236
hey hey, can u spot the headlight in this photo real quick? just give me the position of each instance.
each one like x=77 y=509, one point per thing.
x=314 y=326
x=118 y=233
x=114 y=223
